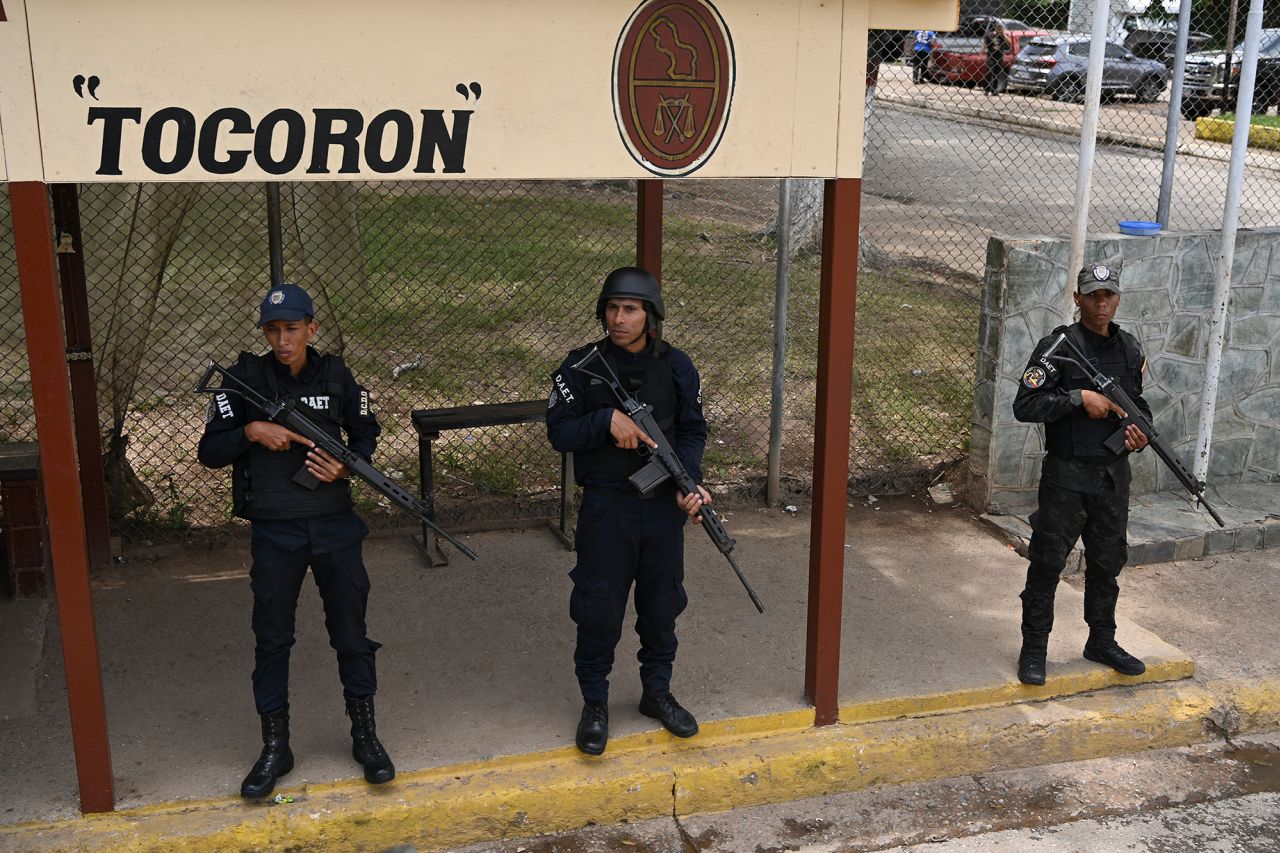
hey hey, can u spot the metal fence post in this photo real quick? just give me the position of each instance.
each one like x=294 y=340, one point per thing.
x=1088 y=142
x=275 y=234
x=774 y=476
x=1226 y=255
x=1175 y=114
x=84 y=387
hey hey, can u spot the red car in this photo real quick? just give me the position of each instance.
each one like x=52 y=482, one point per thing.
x=963 y=60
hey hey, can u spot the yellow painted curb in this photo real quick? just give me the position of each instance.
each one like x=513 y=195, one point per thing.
x=770 y=761
x=1066 y=684
x=1222 y=130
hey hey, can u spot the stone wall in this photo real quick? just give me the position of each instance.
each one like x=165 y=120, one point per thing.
x=1166 y=294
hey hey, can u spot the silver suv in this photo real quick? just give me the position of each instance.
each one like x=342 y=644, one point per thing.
x=1202 y=83
x=1058 y=65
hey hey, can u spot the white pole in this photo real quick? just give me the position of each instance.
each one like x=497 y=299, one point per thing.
x=1088 y=141
x=1165 y=198
x=1226 y=255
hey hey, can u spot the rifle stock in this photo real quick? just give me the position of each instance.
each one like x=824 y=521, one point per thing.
x=286 y=414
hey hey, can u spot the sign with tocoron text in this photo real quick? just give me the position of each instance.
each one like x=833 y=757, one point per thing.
x=243 y=90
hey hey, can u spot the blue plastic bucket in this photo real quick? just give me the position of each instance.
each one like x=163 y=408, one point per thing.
x=1139 y=227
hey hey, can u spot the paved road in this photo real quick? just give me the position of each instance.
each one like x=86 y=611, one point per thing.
x=1247 y=824
x=937 y=187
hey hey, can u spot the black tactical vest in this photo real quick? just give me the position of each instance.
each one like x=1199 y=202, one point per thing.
x=262 y=486
x=649 y=379
x=1078 y=435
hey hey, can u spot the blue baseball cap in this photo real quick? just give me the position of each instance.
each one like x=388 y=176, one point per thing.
x=286 y=302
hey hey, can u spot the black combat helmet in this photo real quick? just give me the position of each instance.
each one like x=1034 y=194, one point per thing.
x=633 y=283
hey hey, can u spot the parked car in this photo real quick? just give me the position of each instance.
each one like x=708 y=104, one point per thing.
x=962 y=60
x=970 y=27
x=1155 y=39
x=1202 y=83
x=976 y=25
x=1059 y=64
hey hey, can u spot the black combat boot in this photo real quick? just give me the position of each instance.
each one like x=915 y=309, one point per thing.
x=276 y=759
x=1031 y=660
x=366 y=749
x=665 y=709
x=1037 y=623
x=593 y=728
x=1106 y=651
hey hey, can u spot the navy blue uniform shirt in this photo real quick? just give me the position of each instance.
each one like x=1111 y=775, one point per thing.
x=224 y=442
x=573 y=429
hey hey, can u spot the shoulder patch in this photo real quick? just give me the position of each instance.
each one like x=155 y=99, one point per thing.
x=563 y=389
x=1034 y=377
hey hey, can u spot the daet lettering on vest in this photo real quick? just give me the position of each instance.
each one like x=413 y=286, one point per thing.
x=318 y=403
x=223 y=142
x=564 y=389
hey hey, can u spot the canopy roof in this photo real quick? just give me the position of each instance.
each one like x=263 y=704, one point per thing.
x=183 y=90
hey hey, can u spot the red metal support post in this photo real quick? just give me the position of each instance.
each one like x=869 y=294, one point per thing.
x=649 y=227
x=33 y=239
x=84 y=387
x=838 y=299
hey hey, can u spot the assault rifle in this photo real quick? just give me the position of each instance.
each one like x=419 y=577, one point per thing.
x=286 y=414
x=663 y=463
x=1115 y=443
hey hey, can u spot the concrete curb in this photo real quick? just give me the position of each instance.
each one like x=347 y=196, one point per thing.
x=733 y=764
x=931 y=106
x=1253 y=535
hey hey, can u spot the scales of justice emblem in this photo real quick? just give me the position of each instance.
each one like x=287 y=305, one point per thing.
x=673 y=84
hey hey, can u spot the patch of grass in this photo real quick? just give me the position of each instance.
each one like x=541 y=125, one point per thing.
x=487 y=286
x=171 y=511
x=1258 y=119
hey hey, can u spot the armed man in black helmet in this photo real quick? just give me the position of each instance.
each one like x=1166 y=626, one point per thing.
x=624 y=538
x=1084 y=487
x=294 y=527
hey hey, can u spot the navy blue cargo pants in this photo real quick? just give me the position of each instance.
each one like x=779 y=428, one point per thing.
x=276 y=580
x=624 y=540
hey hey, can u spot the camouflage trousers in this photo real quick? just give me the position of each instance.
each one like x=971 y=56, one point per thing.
x=1063 y=517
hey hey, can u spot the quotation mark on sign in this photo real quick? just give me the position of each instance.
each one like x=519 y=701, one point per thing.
x=462 y=90
x=78 y=83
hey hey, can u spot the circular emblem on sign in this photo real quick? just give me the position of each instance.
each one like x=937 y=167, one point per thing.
x=1034 y=377
x=277 y=296
x=1101 y=272
x=673 y=74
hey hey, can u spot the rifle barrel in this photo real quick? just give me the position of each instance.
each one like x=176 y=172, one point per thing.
x=755 y=599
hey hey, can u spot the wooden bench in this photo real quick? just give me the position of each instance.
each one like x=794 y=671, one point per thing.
x=429 y=423
x=26 y=531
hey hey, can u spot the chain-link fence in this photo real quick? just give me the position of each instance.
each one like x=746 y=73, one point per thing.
x=448 y=294
x=17 y=416
x=470 y=292
x=975 y=132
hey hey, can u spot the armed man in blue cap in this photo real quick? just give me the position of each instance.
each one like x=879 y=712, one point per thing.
x=1084 y=486
x=625 y=538
x=299 y=521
